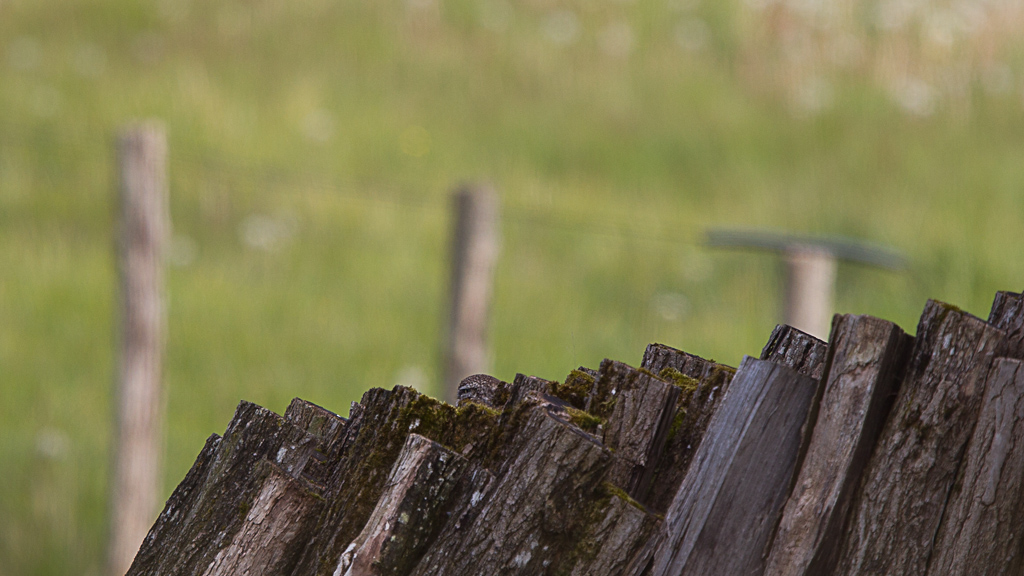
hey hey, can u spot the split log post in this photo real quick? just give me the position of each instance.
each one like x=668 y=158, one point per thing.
x=474 y=255
x=1008 y=315
x=729 y=504
x=703 y=384
x=811 y=265
x=865 y=362
x=896 y=516
x=980 y=531
x=142 y=238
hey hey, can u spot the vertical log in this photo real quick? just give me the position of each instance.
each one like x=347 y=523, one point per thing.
x=908 y=480
x=409 y=512
x=475 y=246
x=532 y=507
x=144 y=229
x=865 y=364
x=980 y=531
x=1008 y=315
x=642 y=408
x=797 y=350
x=729 y=504
x=703 y=384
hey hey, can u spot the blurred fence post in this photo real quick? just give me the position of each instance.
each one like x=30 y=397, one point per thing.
x=144 y=228
x=475 y=247
x=810 y=270
x=810 y=289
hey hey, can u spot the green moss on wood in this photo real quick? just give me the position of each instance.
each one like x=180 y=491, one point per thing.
x=575 y=389
x=584 y=420
x=687 y=383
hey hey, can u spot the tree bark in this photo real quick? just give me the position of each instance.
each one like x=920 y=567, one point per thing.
x=408 y=514
x=908 y=479
x=531 y=508
x=1008 y=315
x=702 y=385
x=980 y=531
x=863 y=371
x=795 y=349
x=638 y=425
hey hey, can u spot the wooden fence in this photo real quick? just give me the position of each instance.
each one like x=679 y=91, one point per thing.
x=876 y=453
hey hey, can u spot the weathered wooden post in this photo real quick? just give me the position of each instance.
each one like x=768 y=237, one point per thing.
x=810 y=270
x=475 y=246
x=144 y=226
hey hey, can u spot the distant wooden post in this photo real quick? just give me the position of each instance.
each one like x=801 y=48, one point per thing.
x=810 y=281
x=475 y=246
x=144 y=227
x=810 y=270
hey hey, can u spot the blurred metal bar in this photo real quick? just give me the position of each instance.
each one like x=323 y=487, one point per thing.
x=811 y=265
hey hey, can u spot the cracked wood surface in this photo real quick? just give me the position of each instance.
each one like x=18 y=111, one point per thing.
x=730 y=501
x=796 y=349
x=902 y=498
x=980 y=531
x=863 y=369
x=694 y=408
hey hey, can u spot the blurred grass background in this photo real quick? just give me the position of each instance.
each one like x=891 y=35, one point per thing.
x=314 y=144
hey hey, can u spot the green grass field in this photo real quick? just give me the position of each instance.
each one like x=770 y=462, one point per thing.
x=313 y=148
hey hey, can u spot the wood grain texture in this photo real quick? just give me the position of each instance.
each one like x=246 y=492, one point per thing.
x=408 y=514
x=980 y=532
x=864 y=367
x=327 y=427
x=276 y=527
x=796 y=349
x=657 y=357
x=636 y=429
x=610 y=542
x=730 y=502
x=1008 y=315
x=702 y=384
x=907 y=482
x=200 y=521
x=533 y=507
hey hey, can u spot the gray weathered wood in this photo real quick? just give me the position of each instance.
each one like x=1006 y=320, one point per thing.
x=532 y=506
x=142 y=238
x=373 y=440
x=981 y=528
x=865 y=363
x=1008 y=315
x=729 y=504
x=213 y=510
x=797 y=350
x=902 y=498
x=277 y=525
x=702 y=385
x=657 y=357
x=638 y=423
x=327 y=427
x=475 y=246
x=408 y=514
x=622 y=529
